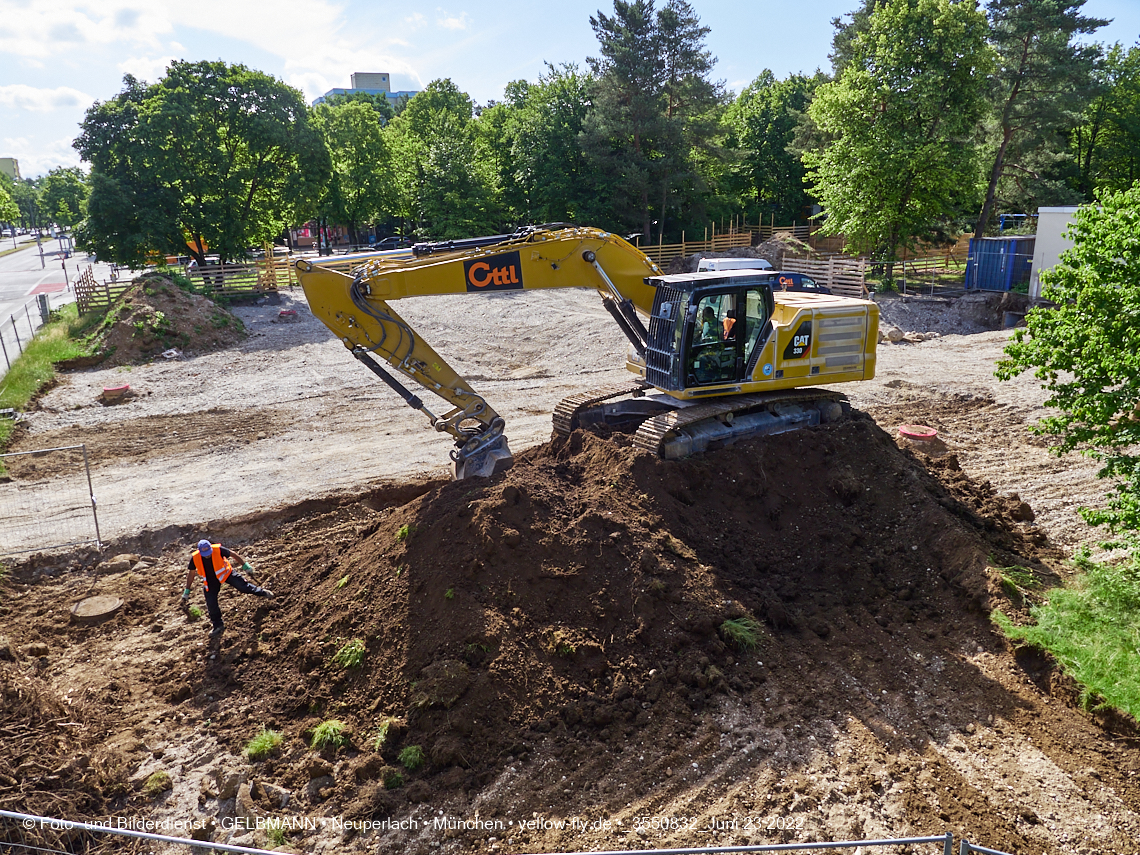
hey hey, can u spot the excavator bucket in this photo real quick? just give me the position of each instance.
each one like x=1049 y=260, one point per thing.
x=488 y=462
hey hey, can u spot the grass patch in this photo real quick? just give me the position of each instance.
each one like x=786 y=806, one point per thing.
x=742 y=633
x=351 y=655
x=34 y=369
x=1091 y=626
x=157 y=784
x=391 y=778
x=1018 y=582
x=264 y=744
x=405 y=531
x=194 y=613
x=382 y=731
x=329 y=734
x=275 y=832
x=411 y=758
x=341 y=582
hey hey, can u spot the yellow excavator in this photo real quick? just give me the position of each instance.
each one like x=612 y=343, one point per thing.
x=719 y=356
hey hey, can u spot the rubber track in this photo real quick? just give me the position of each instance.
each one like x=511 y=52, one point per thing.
x=653 y=432
x=566 y=413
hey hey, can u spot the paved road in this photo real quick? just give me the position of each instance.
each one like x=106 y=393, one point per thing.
x=22 y=274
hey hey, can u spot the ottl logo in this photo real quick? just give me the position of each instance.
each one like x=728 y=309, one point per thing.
x=501 y=272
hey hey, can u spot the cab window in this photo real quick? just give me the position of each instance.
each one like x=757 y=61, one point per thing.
x=712 y=356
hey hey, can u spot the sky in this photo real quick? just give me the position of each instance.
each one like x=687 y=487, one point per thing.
x=59 y=57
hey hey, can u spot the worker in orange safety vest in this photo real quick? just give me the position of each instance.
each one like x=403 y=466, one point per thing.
x=211 y=561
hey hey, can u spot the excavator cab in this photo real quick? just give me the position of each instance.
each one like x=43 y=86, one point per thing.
x=706 y=328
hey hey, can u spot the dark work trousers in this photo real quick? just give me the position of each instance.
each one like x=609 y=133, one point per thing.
x=213 y=586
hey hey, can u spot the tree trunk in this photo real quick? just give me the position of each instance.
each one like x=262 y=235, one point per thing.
x=991 y=190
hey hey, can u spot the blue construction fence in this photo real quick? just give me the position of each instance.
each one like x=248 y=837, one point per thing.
x=1000 y=263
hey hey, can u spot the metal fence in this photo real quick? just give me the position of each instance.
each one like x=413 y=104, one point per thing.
x=26 y=834
x=46 y=500
x=17 y=329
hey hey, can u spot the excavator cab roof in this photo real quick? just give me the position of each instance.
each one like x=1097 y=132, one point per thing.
x=713 y=277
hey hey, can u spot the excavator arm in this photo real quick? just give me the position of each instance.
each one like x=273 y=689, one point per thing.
x=357 y=308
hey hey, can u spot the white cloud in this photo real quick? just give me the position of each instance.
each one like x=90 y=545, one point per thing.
x=149 y=69
x=37 y=157
x=38 y=29
x=24 y=97
x=452 y=22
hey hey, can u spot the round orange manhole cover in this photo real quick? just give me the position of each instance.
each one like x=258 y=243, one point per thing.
x=917 y=432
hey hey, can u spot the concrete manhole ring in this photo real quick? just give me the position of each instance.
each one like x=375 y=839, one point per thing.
x=97 y=609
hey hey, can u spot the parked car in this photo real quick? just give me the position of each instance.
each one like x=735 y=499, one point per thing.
x=393 y=242
x=788 y=281
x=732 y=264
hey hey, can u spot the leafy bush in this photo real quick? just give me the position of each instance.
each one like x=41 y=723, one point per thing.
x=1090 y=626
x=351 y=655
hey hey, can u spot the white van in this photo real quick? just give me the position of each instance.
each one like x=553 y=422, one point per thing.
x=732 y=264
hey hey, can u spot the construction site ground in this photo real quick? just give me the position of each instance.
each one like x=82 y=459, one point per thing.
x=553 y=639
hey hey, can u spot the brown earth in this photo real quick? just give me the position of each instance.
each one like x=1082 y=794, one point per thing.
x=154 y=316
x=554 y=639
x=555 y=642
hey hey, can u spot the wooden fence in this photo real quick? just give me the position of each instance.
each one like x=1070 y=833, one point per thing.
x=664 y=253
x=844 y=275
x=266 y=275
x=91 y=294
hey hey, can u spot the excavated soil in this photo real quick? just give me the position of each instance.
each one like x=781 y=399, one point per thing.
x=554 y=641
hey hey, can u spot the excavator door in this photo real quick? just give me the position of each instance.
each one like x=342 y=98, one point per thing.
x=704 y=329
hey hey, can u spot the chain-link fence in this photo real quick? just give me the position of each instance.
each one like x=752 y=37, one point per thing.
x=17 y=329
x=46 y=500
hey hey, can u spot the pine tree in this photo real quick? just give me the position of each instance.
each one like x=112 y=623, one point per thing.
x=1041 y=82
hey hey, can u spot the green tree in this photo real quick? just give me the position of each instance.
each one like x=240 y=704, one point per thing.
x=762 y=124
x=1040 y=84
x=9 y=210
x=27 y=196
x=360 y=189
x=846 y=32
x=546 y=162
x=653 y=104
x=900 y=120
x=379 y=103
x=1106 y=144
x=213 y=155
x=1086 y=350
x=63 y=196
x=444 y=189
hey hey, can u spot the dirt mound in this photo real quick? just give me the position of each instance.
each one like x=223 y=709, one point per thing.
x=586 y=594
x=154 y=316
x=973 y=312
x=576 y=638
